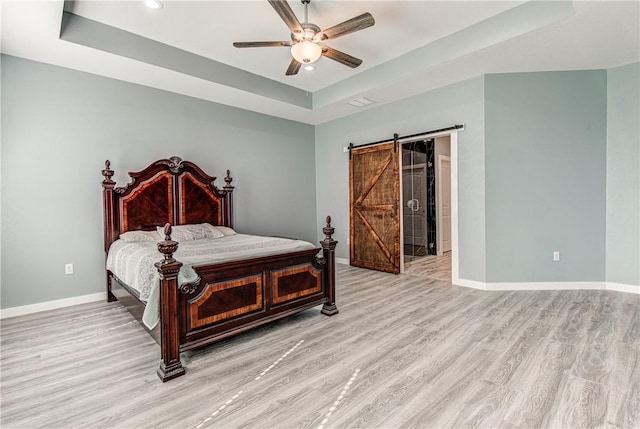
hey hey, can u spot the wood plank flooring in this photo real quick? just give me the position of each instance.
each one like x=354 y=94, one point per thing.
x=404 y=352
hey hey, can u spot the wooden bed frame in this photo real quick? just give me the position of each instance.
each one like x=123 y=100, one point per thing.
x=228 y=297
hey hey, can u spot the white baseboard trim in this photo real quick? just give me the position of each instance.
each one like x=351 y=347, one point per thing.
x=546 y=286
x=469 y=283
x=343 y=261
x=5 y=313
x=621 y=287
x=618 y=287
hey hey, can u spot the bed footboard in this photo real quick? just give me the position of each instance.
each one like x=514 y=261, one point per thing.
x=233 y=297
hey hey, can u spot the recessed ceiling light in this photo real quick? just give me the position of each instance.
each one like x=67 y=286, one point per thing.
x=309 y=67
x=154 y=4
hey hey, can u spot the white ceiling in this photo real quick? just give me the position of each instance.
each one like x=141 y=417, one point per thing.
x=414 y=46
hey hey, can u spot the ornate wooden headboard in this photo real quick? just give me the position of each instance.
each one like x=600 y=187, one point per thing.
x=167 y=191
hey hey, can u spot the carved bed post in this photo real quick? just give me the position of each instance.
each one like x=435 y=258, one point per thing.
x=108 y=213
x=228 y=189
x=170 y=365
x=328 y=251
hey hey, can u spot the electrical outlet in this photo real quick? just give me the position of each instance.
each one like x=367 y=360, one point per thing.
x=68 y=268
x=556 y=256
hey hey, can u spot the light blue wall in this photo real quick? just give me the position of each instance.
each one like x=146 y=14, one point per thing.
x=59 y=126
x=545 y=140
x=623 y=175
x=459 y=103
x=542 y=159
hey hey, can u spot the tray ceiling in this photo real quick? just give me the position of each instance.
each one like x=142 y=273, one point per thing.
x=414 y=46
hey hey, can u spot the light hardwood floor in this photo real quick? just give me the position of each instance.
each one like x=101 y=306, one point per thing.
x=398 y=355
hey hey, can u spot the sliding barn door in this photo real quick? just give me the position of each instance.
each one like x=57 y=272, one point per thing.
x=374 y=196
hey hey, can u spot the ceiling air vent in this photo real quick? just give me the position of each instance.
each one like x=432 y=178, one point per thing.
x=360 y=102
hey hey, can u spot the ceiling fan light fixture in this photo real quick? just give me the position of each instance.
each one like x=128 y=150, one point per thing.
x=306 y=52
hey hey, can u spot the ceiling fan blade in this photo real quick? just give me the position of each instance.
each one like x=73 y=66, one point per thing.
x=341 y=57
x=260 y=44
x=354 y=24
x=284 y=10
x=294 y=67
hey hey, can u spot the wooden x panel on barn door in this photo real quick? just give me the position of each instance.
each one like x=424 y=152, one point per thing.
x=374 y=196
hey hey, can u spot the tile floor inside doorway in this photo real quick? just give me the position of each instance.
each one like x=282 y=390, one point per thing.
x=434 y=267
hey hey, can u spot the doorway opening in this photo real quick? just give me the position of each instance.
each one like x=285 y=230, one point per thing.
x=426 y=207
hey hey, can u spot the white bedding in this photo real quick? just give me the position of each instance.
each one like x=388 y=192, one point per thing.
x=133 y=262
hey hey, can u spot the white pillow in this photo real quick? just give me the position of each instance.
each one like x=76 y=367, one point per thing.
x=225 y=230
x=139 y=236
x=191 y=232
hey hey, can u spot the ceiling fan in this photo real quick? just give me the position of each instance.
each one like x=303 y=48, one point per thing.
x=306 y=38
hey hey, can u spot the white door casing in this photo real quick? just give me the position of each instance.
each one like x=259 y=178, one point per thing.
x=444 y=204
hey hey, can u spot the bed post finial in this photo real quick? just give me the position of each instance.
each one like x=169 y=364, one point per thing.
x=168 y=268
x=167 y=247
x=328 y=230
x=329 y=253
x=227 y=180
x=167 y=231
x=107 y=173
